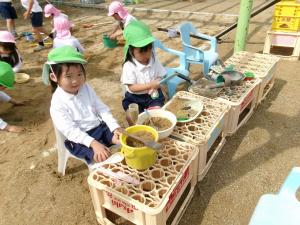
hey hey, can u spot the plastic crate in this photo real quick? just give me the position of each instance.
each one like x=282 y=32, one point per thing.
x=164 y=191
x=286 y=17
x=207 y=131
x=283 y=40
x=242 y=100
x=263 y=66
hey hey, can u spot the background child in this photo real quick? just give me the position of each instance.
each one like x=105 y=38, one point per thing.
x=119 y=13
x=7 y=79
x=8 y=12
x=35 y=13
x=142 y=71
x=76 y=110
x=63 y=37
x=54 y=13
x=9 y=52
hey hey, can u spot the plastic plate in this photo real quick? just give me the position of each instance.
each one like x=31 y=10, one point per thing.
x=194 y=104
x=21 y=78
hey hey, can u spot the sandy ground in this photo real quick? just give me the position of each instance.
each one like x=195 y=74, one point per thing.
x=254 y=161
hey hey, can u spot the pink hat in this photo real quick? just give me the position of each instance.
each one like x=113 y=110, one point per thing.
x=117 y=7
x=51 y=10
x=62 y=26
x=6 y=36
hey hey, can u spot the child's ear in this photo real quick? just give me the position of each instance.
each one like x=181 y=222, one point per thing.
x=53 y=77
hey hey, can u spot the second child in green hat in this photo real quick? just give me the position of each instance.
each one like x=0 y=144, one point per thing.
x=7 y=79
x=75 y=109
x=142 y=70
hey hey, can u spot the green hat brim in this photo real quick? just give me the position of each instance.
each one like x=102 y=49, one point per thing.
x=46 y=67
x=138 y=44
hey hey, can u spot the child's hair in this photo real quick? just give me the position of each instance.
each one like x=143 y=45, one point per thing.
x=57 y=69
x=129 y=55
x=9 y=46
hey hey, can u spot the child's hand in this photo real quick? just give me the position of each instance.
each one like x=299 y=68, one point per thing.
x=113 y=36
x=155 y=84
x=16 y=102
x=116 y=137
x=101 y=152
x=26 y=15
x=14 y=129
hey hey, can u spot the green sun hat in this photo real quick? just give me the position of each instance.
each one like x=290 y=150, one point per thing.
x=7 y=75
x=65 y=54
x=137 y=34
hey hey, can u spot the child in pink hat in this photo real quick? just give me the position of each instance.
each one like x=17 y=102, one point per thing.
x=63 y=37
x=119 y=13
x=9 y=52
x=51 y=12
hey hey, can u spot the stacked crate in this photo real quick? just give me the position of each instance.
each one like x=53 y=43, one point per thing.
x=207 y=131
x=285 y=29
x=161 y=195
x=261 y=65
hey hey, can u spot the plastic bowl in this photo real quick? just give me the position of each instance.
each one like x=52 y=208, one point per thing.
x=159 y=113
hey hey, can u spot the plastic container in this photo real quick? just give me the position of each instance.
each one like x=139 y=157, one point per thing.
x=286 y=17
x=109 y=43
x=140 y=158
x=207 y=131
x=261 y=65
x=242 y=100
x=162 y=196
x=163 y=114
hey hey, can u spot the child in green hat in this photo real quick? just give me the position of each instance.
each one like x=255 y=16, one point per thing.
x=7 y=79
x=142 y=71
x=75 y=109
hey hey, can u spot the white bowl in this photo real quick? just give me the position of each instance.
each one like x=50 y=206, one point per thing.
x=159 y=113
x=21 y=78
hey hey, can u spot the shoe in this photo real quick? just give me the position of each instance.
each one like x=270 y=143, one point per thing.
x=38 y=48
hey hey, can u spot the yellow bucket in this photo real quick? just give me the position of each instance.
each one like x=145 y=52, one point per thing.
x=139 y=158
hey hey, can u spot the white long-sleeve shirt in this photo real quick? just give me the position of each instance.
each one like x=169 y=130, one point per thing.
x=70 y=41
x=4 y=98
x=74 y=115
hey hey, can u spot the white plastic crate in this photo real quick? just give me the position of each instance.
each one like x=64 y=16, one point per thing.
x=242 y=100
x=155 y=200
x=263 y=66
x=207 y=131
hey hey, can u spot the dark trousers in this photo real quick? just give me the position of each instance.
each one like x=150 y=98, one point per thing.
x=144 y=100
x=101 y=133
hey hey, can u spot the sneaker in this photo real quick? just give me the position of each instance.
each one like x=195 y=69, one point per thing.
x=38 y=48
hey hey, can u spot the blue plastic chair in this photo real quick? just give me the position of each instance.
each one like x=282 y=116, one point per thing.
x=171 y=80
x=280 y=209
x=196 y=55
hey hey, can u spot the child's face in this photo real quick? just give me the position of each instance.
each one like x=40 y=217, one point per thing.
x=117 y=17
x=71 y=79
x=142 y=57
x=2 y=88
x=4 y=51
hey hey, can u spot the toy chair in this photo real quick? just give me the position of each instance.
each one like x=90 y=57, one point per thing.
x=283 y=208
x=196 y=55
x=63 y=153
x=171 y=80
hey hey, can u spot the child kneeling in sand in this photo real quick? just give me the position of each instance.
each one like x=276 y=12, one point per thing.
x=75 y=109
x=7 y=79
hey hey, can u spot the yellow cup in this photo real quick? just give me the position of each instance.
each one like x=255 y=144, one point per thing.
x=139 y=158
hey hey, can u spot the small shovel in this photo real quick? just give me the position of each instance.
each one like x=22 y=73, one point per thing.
x=114 y=158
x=151 y=144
